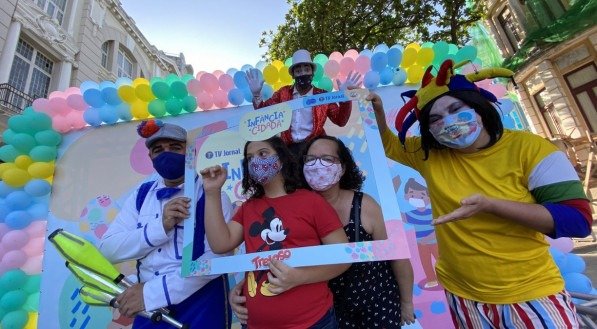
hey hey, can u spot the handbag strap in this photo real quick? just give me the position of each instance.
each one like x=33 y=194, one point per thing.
x=356 y=214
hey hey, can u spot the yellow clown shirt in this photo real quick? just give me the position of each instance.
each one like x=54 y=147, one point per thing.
x=487 y=258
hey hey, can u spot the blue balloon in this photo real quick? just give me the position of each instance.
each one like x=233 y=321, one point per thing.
x=394 y=57
x=92 y=117
x=236 y=96
x=93 y=97
x=558 y=257
x=124 y=112
x=397 y=46
x=574 y=263
x=231 y=71
x=246 y=67
x=38 y=210
x=18 y=200
x=4 y=211
x=5 y=189
x=86 y=85
x=108 y=114
x=379 y=61
x=110 y=96
x=386 y=76
x=37 y=187
x=123 y=81
x=240 y=80
x=248 y=94
x=260 y=65
x=381 y=48
x=266 y=92
x=18 y=219
x=366 y=52
x=399 y=77
x=371 y=79
x=577 y=282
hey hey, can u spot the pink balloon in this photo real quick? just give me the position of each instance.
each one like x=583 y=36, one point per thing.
x=56 y=94
x=58 y=106
x=34 y=247
x=204 y=101
x=220 y=98
x=140 y=162
x=60 y=124
x=218 y=73
x=36 y=229
x=3 y=230
x=76 y=102
x=331 y=68
x=336 y=56
x=199 y=74
x=13 y=259
x=351 y=53
x=346 y=65
x=41 y=105
x=75 y=120
x=564 y=245
x=33 y=265
x=72 y=91
x=15 y=239
x=209 y=82
x=226 y=82
x=194 y=87
x=362 y=64
x=470 y=68
x=498 y=90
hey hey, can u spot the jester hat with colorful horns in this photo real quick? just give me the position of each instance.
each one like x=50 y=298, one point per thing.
x=434 y=87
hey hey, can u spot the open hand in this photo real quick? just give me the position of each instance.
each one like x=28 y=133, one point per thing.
x=407 y=313
x=237 y=302
x=470 y=206
x=255 y=83
x=353 y=80
x=174 y=212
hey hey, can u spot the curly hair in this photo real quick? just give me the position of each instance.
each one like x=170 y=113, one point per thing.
x=253 y=189
x=353 y=177
x=488 y=113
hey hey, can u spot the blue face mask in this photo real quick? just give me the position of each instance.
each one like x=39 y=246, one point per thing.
x=459 y=130
x=169 y=165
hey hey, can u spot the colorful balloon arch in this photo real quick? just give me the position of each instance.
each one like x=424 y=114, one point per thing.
x=33 y=137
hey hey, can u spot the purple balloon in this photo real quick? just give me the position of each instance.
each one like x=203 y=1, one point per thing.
x=14 y=240
x=13 y=259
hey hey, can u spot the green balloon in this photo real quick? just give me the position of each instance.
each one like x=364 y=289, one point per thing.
x=157 y=108
x=38 y=122
x=15 y=320
x=161 y=90
x=171 y=78
x=320 y=59
x=179 y=89
x=23 y=142
x=7 y=136
x=19 y=124
x=186 y=78
x=48 y=137
x=32 y=284
x=189 y=103
x=318 y=72
x=43 y=153
x=32 y=303
x=288 y=62
x=13 y=300
x=8 y=153
x=326 y=83
x=174 y=106
x=13 y=279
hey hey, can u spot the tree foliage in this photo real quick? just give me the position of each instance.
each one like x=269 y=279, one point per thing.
x=326 y=26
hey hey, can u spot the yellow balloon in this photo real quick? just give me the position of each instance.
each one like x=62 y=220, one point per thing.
x=285 y=77
x=415 y=73
x=49 y=179
x=278 y=64
x=32 y=322
x=409 y=56
x=41 y=169
x=143 y=92
x=23 y=161
x=270 y=74
x=425 y=56
x=414 y=46
x=140 y=81
x=139 y=109
x=6 y=166
x=127 y=93
x=16 y=177
x=278 y=85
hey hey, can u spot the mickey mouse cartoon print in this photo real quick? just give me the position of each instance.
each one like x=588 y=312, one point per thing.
x=272 y=231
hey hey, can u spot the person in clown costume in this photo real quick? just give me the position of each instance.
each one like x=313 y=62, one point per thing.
x=306 y=123
x=495 y=194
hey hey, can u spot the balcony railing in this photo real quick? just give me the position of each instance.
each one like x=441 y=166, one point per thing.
x=13 y=100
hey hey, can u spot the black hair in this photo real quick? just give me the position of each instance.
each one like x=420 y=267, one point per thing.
x=488 y=113
x=353 y=177
x=289 y=170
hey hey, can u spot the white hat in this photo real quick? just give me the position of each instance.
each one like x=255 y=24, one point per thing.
x=301 y=56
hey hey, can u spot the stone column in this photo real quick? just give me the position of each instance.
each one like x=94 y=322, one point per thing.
x=8 y=53
x=64 y=74
x=72 y=16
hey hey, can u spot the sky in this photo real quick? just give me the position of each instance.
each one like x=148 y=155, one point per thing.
x=212 y=34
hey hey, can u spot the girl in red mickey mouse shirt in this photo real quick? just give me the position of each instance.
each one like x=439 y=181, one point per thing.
x=278 y=215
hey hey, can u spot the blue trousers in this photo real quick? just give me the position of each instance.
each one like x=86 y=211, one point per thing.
x=208 y=307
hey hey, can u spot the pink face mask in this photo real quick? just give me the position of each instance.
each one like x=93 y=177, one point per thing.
x=321 y=177
x=263 y=170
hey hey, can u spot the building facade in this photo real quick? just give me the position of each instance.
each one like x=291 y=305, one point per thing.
x=48 y=45
x=551 y=45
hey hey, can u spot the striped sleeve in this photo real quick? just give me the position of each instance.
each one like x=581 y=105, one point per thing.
x=554 y=179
